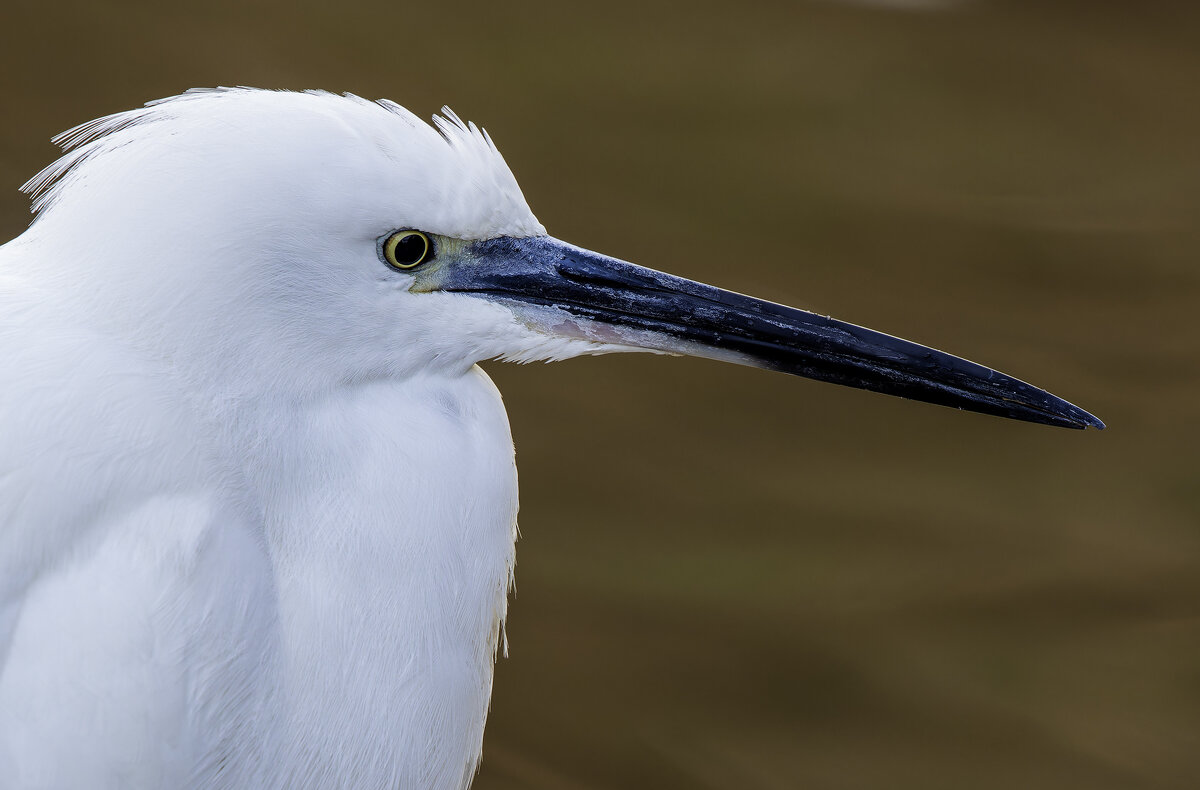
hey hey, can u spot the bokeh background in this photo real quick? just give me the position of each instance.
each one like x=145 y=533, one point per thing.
x=734 y=579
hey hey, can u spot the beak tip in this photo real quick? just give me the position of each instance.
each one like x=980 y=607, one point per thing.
x=1081 y=419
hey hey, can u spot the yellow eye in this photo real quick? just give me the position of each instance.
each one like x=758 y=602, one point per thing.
x=405 y=249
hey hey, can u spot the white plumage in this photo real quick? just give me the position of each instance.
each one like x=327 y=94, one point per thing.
x=257 y=503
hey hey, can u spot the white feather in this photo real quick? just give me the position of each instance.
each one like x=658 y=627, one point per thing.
x=257 y=504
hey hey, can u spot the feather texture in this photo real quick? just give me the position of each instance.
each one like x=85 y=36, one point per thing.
x=257 y=504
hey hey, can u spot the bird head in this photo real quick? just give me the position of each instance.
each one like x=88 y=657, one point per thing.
x=268 y=241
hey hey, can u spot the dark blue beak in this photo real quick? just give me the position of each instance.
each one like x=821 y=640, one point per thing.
x=675 y=315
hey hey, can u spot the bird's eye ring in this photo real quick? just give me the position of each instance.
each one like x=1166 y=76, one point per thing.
x=405 y=249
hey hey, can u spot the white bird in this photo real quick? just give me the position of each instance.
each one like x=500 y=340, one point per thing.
x=257 y=502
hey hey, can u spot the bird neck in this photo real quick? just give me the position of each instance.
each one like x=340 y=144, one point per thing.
x=390 y=520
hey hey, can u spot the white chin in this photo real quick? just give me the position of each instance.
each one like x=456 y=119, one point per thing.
x=552 y=334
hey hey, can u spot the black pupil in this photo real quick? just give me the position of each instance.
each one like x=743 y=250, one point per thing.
x=409 y=250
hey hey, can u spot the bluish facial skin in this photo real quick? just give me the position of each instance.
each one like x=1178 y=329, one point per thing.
x=695 y=318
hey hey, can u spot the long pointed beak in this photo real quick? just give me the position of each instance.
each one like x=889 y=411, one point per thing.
x=666 y=313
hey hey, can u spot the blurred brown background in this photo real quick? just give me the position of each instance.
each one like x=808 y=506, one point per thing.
x=733 y=579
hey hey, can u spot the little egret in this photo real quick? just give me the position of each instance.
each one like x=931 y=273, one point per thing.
x=257 y=501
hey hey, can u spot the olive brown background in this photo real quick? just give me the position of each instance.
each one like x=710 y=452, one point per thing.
x=730 y=578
